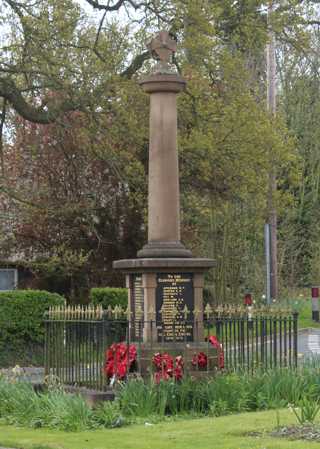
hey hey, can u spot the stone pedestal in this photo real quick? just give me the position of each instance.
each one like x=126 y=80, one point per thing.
x=165 y=299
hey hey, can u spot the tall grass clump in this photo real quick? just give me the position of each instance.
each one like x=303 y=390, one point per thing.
x=226 y=393
x=21 y=405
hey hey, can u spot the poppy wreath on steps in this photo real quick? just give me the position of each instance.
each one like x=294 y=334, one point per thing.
x=216 y=344
x=200 y=360
x=166 y=367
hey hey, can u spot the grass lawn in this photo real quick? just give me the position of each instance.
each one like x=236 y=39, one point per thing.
x=228 y=432
x=305 y=316
x=303 y=306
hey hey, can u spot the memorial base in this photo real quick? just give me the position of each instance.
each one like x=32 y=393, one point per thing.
x=165 y=298
x=189 y=354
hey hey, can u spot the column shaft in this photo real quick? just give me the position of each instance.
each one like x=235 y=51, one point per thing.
x=164 y=214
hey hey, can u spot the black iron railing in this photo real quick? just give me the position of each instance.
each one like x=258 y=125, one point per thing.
x=75 y=349
x=259 y=341
x=76 y=343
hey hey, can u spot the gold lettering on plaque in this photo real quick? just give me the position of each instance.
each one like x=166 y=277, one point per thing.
x=175 y=301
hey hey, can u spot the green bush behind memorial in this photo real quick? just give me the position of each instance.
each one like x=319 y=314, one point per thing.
x=22 y=325
x=109 y=296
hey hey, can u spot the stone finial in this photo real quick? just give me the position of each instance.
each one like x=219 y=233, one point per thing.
x=162 y=47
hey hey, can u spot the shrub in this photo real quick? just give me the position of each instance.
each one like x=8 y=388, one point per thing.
x=109 y=296
x=22 y=325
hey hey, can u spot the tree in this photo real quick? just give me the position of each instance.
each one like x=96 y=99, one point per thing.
x=225 y=140
x=78 y=197
x=299 y=103
x=73 y=82
x=43 y=38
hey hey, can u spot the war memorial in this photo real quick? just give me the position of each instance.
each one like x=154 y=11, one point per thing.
x=165 y=282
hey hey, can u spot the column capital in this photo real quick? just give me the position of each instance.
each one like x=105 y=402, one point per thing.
x=163 y=83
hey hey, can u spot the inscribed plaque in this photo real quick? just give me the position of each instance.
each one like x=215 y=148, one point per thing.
x=174 y=307
x=137 y=305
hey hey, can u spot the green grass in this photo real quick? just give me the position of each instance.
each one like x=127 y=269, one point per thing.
x=303 y=306
x=305 y=316
x=228 y=432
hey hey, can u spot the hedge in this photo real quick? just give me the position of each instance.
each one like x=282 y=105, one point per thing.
x=109 y=296
x=22 y=325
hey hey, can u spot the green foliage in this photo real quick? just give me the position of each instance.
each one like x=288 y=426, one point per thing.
x=22 y=324
x=21 y=405
x=300 y=102
x=93 y=174
x=207 y=295
x=108 y=414
x=109 y=296
x=306 y=410
x=225 y=141
x=227 y=393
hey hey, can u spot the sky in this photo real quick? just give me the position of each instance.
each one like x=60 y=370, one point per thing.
x=96 y=14
x=89 y=9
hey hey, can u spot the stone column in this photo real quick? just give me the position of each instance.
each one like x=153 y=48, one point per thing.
x=163 y=183
x=164 y=205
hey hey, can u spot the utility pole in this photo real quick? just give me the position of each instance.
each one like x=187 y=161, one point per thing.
x=272 y=187
x=267 y=255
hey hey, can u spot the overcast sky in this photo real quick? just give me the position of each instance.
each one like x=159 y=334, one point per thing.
x=96 y=14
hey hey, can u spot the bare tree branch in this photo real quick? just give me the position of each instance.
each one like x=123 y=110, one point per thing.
x=135 y=65
x=96 y=5
x=116 y=6
x=96 y=42
x=2 y=120
x=312 y=22
x=12 y=94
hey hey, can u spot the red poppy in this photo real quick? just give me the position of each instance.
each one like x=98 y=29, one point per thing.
x=216 y=344
x=178 y=373
x=200 y=360
x=156 y=360
x=121 y=370
x=119 y=359
x=132 y=354
x=167 y=361
x=166 y=368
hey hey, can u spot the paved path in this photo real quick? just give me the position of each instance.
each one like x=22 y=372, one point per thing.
x=309 y=343
x=34 y=375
